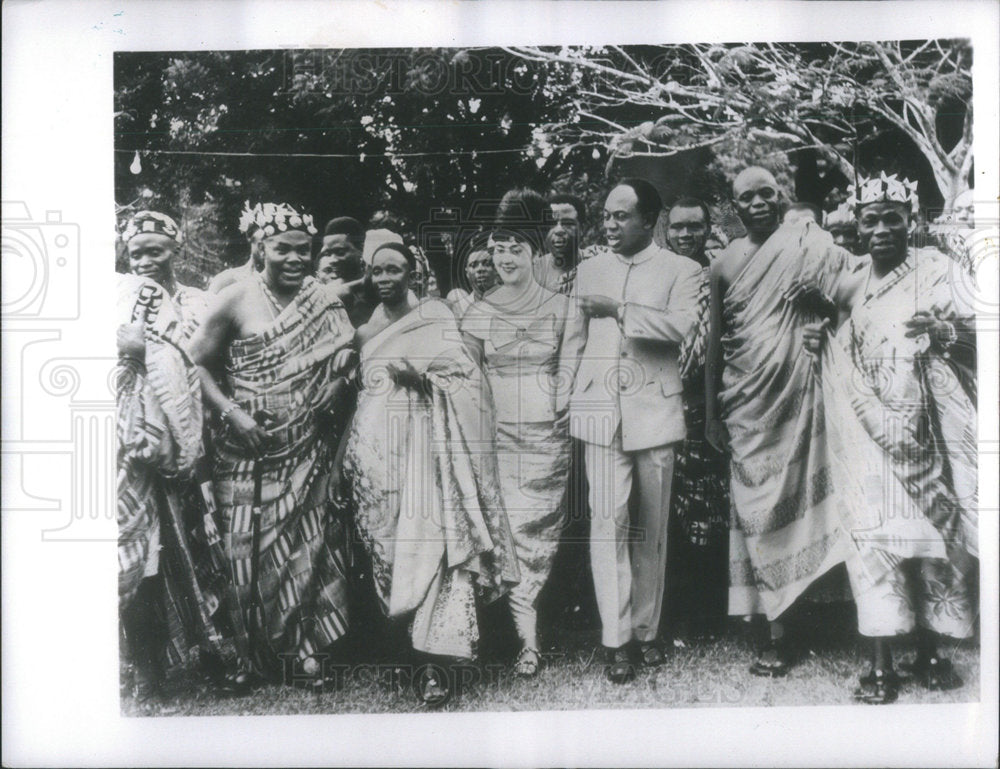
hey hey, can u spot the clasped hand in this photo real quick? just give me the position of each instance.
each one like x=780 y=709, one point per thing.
x=940 y=332
x=598 y=306
x=809 y=299
x=403 y=374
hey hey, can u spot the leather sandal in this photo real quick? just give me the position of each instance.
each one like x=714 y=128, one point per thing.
x=935 y=673
x=239 y=684
x=774 y=661
x=431 y=691
x=651 y=654
x=879 y=687
x=528 y=663
x=620 y=669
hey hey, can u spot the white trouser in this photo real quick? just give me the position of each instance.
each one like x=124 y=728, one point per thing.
x=629 y=563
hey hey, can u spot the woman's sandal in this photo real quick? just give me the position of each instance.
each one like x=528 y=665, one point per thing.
x=879 y=687
x=934 y=673
x=528 y=662
x=774 y=661
x=430 y=690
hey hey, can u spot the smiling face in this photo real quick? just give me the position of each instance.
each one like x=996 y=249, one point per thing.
x=339 y=258
x=512 y=258
x=479 y=270
x=390 y=275
x=687 y=231
x=151 y=256
x=884 y=231
x=626 y=229
x=287 y=258
x=758 y=200
x=563 y=236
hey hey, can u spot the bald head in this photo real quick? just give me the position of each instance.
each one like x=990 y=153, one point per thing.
x=752 y=177
x=757 y=198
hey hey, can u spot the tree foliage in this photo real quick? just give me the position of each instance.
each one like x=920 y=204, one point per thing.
x=663 y=100
x=411 y=130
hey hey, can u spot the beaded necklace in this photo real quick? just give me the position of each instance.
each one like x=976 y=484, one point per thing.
x=273 y=305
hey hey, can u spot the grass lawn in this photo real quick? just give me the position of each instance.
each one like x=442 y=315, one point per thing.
x=698 y=673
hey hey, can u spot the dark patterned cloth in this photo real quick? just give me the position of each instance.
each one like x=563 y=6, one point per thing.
x=286 y=370
x=700 y=493
x=160 y=531
x=697 y=564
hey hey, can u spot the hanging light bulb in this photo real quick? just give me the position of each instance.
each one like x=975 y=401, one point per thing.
x=136 y=166
x=596 y=154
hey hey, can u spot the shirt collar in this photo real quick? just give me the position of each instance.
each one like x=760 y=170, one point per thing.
x=641 y=256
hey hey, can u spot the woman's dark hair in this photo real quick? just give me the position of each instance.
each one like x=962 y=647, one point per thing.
x=650 y=202
x=524 y=214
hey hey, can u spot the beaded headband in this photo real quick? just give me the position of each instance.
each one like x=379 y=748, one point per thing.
x=151 y=222
x=274 y=218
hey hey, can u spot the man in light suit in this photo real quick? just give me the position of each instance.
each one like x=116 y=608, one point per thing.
x=636 y=304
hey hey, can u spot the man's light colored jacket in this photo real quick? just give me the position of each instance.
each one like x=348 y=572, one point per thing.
x=624 y=371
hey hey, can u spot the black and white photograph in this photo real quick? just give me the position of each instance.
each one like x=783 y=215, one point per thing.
x=546 y=379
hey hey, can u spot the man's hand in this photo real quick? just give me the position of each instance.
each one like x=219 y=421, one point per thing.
x=250 y=434
x=809 y=299
x=717 y=435
x=404 y=375
x=131 y=341
x=940 y=332
x=813 y=336
x=597 y=306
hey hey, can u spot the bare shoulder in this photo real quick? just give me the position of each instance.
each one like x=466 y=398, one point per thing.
x=368 y=330
x=227 y=278
x=435 y=309
x=229 y=299
x=728 y=261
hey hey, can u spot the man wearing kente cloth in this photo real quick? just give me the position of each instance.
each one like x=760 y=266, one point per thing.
x=899 y=388
x=165 y=609
x=283 y=339
x=152 y=240
x=764 y=405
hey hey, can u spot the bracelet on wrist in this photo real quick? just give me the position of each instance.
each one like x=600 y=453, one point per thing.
x=224 y=414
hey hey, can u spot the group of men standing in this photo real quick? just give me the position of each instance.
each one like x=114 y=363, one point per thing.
x=817 y=403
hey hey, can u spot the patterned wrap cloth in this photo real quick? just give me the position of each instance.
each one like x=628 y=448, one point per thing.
x=159 y=421
x=159 y=442
x=191 y=304
x=422 y=467
x=787 y=531
x=902 y=419
x=285 y=370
